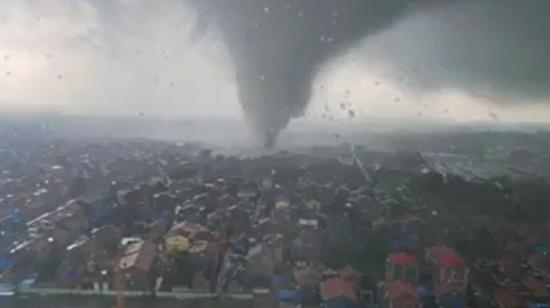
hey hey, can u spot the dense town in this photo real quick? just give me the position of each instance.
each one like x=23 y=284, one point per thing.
x=338 y=226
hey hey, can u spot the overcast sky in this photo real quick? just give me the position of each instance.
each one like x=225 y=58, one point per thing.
x=84 y=57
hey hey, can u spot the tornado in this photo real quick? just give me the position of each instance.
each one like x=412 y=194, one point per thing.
x=278 y=46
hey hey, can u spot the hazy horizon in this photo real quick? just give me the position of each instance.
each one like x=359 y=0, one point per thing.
x=135 y=57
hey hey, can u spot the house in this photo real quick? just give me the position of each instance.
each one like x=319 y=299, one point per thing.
x=263 y=298
x=398 y=294
x=106 y=238
x=238 y=220
x=192 y=231
x=200 y=282
x=447 y=266
x=540 y=261
x=450 y=295
x=164 y=201
x=226 y=201
x=307 y=278
x=402 y=266
x=533 y=289
x=351 y=275
x=260 y=265
x=63 y=224
x=70 y=272
x=506 y=298
x=265 y=226
x=177 y=244
x=306 y=246
x=157 y=229
x=205 y=257
x=337 y=292
x=136 y=264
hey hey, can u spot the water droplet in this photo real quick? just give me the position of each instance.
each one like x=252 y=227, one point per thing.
x=266 y=10
x=262 y=77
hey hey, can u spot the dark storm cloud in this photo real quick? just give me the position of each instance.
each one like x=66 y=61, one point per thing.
x=278 y=46
x=496 y=49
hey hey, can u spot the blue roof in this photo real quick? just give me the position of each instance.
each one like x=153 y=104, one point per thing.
x=538 y=305
x=290 y=295
x=280 y=281
x=6 y=263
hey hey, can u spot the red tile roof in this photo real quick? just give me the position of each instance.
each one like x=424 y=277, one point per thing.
x=507 y=299
x=447 y=288
x=397 y=289
x=533 y=284
x=334 y=288
x=445 y=257
x=403 y=259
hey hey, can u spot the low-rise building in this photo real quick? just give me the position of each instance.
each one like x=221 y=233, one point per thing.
x=446 y=267
x=402 y=266
x=398 y=294
x=136 y=265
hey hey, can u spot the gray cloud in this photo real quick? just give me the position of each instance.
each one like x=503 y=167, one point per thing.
x=120 y=55
x=493 y=49
x=278 y=46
